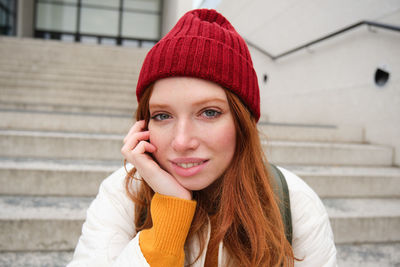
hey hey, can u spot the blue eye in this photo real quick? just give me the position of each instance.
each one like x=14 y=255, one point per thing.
x=210 y=113
x=161 y=117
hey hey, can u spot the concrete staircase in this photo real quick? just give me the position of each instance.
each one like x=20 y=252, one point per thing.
x=64 y=109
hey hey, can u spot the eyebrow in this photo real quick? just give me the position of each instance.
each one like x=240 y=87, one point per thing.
x=198 y=103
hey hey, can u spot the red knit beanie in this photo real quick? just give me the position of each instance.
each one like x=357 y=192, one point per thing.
x=205 y=45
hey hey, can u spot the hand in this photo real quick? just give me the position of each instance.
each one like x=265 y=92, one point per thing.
x=134 y=150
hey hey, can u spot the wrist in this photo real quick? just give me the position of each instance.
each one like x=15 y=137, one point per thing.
x=164 y=242
x=185 y=195
x=172 y=218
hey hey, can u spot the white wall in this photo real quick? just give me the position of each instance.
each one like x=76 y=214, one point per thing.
x=331 y=82
x=280 y=25
x=172 y=11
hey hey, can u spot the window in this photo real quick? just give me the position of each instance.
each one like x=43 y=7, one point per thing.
x=8 y=17
x=130 y=22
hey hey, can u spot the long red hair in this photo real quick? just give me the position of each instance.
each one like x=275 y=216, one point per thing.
x=241 y=205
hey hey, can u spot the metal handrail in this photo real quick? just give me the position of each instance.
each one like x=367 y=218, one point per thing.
x=364 y=22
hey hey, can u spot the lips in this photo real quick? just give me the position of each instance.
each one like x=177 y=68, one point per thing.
x=188 y=166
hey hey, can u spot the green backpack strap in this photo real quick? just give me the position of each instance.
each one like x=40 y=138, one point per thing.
x=282 y=191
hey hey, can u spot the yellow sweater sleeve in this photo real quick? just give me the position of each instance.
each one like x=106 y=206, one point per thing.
x=163 y=244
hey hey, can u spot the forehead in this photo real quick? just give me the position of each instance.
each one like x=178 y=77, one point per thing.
x=186 y=89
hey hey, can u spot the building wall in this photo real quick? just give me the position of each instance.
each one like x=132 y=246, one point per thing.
x=97 y=18
x=281 y=25
x=331 y=83
x=25 y=14
x=172 y=11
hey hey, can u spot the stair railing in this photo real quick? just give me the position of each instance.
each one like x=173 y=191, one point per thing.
x=340 y=31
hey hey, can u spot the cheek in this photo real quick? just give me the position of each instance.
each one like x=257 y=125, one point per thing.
x=158 y=139
x=225 y=139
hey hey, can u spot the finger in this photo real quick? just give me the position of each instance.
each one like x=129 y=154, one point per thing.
x=136 y=137
x=143 y=147
x=138 y=156
x=138 y=126
x=133 y=140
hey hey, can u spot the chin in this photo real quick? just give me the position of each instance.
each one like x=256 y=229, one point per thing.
x=197 y=183
x=192 y=185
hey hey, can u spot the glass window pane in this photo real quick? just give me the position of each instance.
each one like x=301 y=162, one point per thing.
x=105 y=3
x=130 y=43
x=11 y=5
x=47 y=36
x=11 y=19
x=99 y=21
x=89 y=40
x=56 y=17
x=4 y=2
x=68 y=38
x=2 y=18
x=148 y=5
x=108 y=41
x=8 y=4
x=148 y=44
x=141 y=26
x=61 y=1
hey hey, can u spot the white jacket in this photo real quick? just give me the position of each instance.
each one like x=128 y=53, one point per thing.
x=109 y=237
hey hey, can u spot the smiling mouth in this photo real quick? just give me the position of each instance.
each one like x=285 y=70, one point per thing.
x=189 y=165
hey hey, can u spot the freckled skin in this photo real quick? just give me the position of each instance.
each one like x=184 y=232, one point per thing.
x=191 y=118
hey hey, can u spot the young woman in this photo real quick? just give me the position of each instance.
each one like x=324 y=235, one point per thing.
x=200 y=192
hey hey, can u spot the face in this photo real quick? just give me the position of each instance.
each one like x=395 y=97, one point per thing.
x=193 y=129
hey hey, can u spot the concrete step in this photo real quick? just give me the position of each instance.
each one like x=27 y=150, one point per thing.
x=364 y=220
x=82 y=103
x=65 y=122
x=41 y=223
x=14 y=42
x=25 y=93
x=54 y=223
x=351 y=181
x=369 y=255
x=35 y=259
x=32 y=177
x=68 y=97
x=112 y=72
x=365 y=255
x=64 y=178
x=66 y=85
x=66 y=108
x=43 y=75
x=314 y=133
x=318 y=153
x=71 y=60
x=59 y=145
x=47 y=50
x=85 y=68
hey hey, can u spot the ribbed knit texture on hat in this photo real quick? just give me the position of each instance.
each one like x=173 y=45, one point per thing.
x=205 y=45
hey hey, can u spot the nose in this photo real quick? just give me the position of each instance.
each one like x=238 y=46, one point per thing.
x=184 y=136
